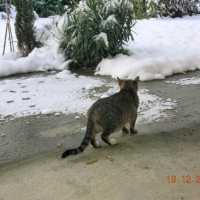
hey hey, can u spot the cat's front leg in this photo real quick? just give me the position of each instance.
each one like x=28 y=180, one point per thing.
x=132 y=126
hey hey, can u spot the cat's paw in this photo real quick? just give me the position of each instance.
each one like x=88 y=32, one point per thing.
x=134 y=130
x=113 y=141
x=97 y=145
x=125 y=130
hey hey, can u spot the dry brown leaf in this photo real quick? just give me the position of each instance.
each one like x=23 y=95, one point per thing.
x=90 y=162
x=108 y=157
x=58 y=145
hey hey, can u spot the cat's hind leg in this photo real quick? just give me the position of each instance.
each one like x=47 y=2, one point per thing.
x=125 y=130
x=105 y=137
x=94 y=143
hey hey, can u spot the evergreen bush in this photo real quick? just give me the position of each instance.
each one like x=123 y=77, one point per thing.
x=155 y=8
x=96 y=29
x=24 y=26
x=179 y=8
x=148 y=8
x=45 y=8
x=172 y=8
x=139 y=9
x=2 y=6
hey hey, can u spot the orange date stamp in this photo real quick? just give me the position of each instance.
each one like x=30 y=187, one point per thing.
x=184 y=179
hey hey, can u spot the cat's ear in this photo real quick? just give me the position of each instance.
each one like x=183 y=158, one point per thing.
x=119 y=81
x=136 y=79
x=135 y=83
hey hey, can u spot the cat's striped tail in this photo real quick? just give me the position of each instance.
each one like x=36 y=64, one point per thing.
x=85 y=142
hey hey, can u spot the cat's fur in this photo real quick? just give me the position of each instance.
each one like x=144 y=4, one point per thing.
x=109 y=115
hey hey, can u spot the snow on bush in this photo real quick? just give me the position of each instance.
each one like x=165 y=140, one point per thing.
x=148 y=8
x=96 y=29
x=171 y=8
x=179 y=8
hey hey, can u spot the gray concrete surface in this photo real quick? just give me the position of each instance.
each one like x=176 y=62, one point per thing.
x=31 y=167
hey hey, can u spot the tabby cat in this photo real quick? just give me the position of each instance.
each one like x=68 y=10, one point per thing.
x=109 y=115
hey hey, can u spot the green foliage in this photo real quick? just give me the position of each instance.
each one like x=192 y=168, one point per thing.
x=96 y=29
x=148 y=8
x=2 y=6
x=48 y=7
x=24 y=26
x=179 y=8
x=172 y=8
x=139 y=9
x=155 y=9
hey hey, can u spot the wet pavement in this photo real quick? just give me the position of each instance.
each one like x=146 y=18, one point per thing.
x=30 y=136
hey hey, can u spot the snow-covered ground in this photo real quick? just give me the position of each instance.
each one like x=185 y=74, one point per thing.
x=68 y=93
x=186 y=81
x=161 y=48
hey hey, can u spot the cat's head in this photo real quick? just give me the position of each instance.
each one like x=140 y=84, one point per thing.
x=128 y=84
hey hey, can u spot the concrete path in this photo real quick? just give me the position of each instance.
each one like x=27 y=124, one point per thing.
x=142 y=166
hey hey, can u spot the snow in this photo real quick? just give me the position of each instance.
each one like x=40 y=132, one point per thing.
x=47 y=111
x=162 y=47
x=48 y=57
x=104 y=96
x=110 y=5
x=102 y=36
x=186 y=81
x=82 y=6
x=110 y=19
x=65 y=74
x=29 y=96
x=48 y=95
x=89 y=87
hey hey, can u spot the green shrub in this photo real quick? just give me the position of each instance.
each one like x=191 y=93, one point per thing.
x=47 y=7
x=2 y=6
x=96 y=29
x=172 y=8
x=24 y=26
x=139 y=9
x=148 y=8
x=179 y=8
x=155 y=8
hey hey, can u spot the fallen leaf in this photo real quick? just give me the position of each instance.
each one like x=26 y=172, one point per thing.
x=108 y=157
x=90 y=162
x=184 y=73
x=58 y=145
